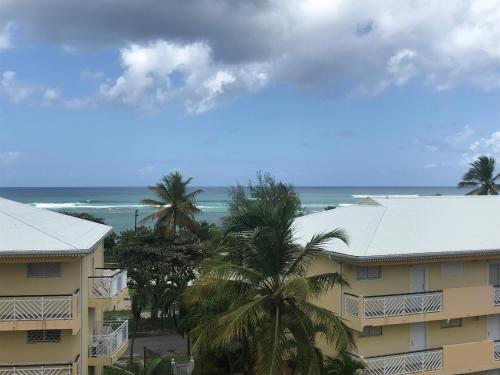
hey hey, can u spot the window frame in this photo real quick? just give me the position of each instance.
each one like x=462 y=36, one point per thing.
x=370 y=332
x=448 y=323
x=45 y=336
x=366 y=270
x=43 y=274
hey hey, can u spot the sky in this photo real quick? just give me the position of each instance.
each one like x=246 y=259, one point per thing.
x=316 y=92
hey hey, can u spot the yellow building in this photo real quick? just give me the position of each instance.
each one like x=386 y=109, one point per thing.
x=53 y=290
x=423 y=274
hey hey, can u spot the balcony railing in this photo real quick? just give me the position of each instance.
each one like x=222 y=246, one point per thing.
x=496 y=295
x=496 y=350
x=108 y=338
x=107 y=283
x=36 y=308
x=36 y=370
x=405 y=363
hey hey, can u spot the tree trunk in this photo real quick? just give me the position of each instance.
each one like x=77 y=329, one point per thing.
x=137 y=319
x=189 y=344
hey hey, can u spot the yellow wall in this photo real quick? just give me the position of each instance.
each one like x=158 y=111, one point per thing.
x=75 y=272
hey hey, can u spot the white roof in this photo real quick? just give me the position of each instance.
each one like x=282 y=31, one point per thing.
x=27 y=230
x=400 y=227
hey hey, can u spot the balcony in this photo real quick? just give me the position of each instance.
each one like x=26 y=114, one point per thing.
x=20 y=313
x=107 y=287
x=450 y=359
x=405 y=363
x=108 y=343
x=420 y=307
x=56 y=369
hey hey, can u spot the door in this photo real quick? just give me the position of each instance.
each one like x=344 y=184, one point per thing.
x=494 y=327
x=418 y=278
x=418 y=336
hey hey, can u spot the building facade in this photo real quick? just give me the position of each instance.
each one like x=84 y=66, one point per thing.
x=423 y=282
x=53 y=291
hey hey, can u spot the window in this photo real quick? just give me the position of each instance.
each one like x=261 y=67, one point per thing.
x=369 y=273
x=452 y=269
x=451 y=323
x=371 y=331
x=44 y=269
x=50 y=335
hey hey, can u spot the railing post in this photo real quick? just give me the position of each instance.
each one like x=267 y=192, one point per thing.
x=42 y=308
x=15 y=312
x=172 y=366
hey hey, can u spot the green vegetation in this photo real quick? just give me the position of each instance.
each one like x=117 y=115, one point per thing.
x=242 y=291
x=481 y=175
x=176 y=207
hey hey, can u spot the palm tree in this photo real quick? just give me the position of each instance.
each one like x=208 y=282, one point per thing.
x=176 y=207
x=344 y=364
x=270 y=293
x=481 y=175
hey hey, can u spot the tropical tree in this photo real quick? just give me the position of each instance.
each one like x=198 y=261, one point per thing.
x=344 y=364
x=176 y=207
x=481 y=175
x=269 y=292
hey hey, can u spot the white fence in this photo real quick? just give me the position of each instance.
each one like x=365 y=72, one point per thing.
x=108 y=338
x=182 y=368
x=404 y=304
x=405 y=363
x=496 y=350
x=36 y=370
x=351 y=305
x=36 y=308
x=107 y=283
x=496 y=295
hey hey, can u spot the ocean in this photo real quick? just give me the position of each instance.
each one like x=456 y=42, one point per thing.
x=117 y=205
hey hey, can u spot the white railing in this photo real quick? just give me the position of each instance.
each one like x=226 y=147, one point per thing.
x=403 y=304
x=351 y=305
x=36 y=370
x=107 y=283
x=496 y=295
x=496 y=350
x=36 y=308
x=108 y=338
x=182 y=368
x=405 y=363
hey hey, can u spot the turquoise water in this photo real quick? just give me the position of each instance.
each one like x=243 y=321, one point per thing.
x=117 y=205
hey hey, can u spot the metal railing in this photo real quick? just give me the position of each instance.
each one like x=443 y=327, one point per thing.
x=107 y=283
x=403 y=304
x=36 y=308
x=405 y=363
x=351 y=305
x=108 y=338
x=181 y=368
x=36 y=370
x=496 y=350
x=496 y=295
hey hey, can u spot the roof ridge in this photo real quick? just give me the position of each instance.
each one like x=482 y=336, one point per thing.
x=376 y=229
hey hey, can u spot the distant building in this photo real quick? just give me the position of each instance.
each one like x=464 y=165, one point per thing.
x=424 y=281
x=53 y=290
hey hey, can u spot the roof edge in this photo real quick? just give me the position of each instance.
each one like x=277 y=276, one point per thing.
x=414 y=256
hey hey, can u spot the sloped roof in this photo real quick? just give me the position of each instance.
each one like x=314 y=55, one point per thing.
x=27 y=230
x=401 y=227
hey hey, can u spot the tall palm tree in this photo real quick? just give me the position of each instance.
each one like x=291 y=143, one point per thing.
x=270 y=293
x=176 y=207
x=481 y=175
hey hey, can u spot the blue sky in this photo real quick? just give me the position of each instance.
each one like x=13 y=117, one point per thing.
x=105 y=104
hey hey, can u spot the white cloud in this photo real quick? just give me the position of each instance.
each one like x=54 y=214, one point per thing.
x=485 y=146
x=6 y=35
x=157 y=73
x=13 y=90
x=17 y=92
x=146 y=170
x=460 y=137
x=9 y=157
x=186 y=51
